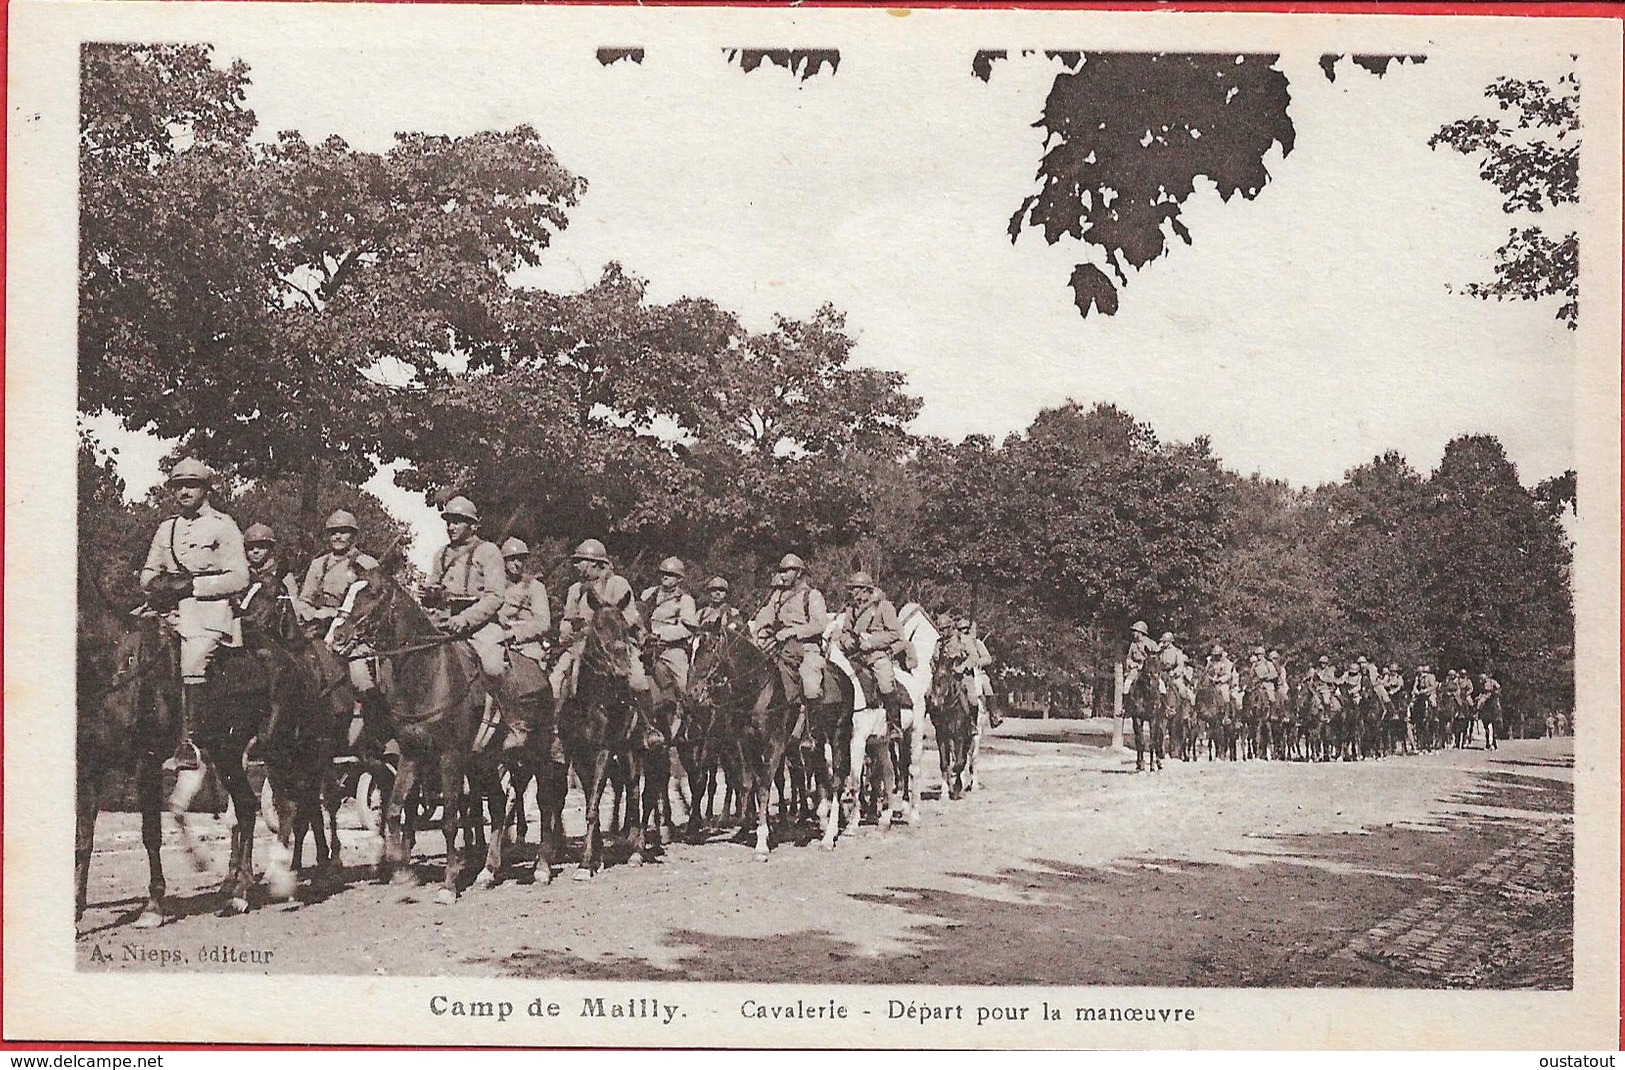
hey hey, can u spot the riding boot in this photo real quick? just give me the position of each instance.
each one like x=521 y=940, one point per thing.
x=187 y=757
x=894 y=717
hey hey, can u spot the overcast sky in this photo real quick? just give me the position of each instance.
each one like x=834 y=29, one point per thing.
x=1304 y=331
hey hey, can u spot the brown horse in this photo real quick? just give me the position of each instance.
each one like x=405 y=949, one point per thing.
x=953 y=718
x=134 y=723
x=436 y=697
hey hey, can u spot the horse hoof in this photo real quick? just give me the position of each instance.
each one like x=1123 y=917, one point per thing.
x=149 y=919
x=761 y=856
x=635 y=859
x=403 y=878
x=885 y=821
x=544 y=874
x=445 y=897
x=237 y=905
x=485 y=881
x=828 y=845
x=582 y=873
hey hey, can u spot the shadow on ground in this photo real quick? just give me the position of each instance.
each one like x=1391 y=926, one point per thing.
x=1295 y=914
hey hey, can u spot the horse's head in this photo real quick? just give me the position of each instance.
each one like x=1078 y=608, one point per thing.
x=144 y=661
x=376 y=610
x=608 y=640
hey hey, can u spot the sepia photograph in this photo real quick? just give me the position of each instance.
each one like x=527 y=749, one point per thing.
x=838 y=527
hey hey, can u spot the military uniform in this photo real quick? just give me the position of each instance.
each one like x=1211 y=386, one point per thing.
x=799 y=610
x=209 y=546
x=268 y=585
x=474 y=582
x=1141 y=649
x=327 y=584
x=672 y=622
x=526 y=617
x=609 y=590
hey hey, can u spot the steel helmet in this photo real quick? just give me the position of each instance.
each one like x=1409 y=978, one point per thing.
x=1258 y=650
x=190 y=468
x=860 y=580
x=1393 y=666
x=1167 y=637
x=716 y=583
x=963 y=624
x=259 y=535
x=514 y=548
x=1324 y=660
x=789 y=561
x=1141 y=628
x=1218 y=648
x=673 y=566
x=591 y=550
x=460 y=508
x=341 y=520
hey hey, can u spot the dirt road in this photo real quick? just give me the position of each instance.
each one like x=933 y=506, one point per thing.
x=1448 y=870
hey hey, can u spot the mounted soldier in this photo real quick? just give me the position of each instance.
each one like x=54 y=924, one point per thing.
x=673 y=621
x=792 y=624
x=524 y=615
x=327 y=584
x=967 y=657
x=1141 y=648
x=271 y=586
x=196 y=563
x=718 y=615
x=599 y=585
x=868 y=636
x=467 y=584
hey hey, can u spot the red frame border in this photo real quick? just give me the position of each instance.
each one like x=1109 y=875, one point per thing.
x=1496 y=9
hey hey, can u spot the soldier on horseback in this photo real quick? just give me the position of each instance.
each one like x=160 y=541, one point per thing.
x=672 y=620
x=1140 y=648
x=194 y=566
x=868 y=636
x=270 y=584
x=327 y=584
x=524 y=615
x=718 y=615
x=792 y=622
x=600 y=585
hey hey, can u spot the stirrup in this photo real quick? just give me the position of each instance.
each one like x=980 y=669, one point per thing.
x=187 y=758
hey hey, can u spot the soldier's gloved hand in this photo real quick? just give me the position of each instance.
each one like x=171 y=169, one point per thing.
x=458 y=625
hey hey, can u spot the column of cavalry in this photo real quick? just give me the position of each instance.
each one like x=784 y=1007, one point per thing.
x=465 y=693
x=1337 y=709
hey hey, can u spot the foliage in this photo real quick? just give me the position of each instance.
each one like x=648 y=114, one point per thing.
x=1126 y=136
x=1533 y=159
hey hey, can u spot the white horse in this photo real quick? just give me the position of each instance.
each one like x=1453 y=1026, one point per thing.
x=869 y=718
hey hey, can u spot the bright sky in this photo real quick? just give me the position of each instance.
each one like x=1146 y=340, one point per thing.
x=1304 y=332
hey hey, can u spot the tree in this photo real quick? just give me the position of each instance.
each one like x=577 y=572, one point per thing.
x=1499 y=596
x=1127 y=134
x=284 y=292
x=1533 y=159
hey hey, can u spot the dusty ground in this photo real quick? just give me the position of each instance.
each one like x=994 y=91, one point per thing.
x=1448 y=870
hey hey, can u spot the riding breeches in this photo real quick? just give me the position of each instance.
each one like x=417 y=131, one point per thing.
x=488 y=647
x=674 y=656
x=885 y=673
x=202 y=625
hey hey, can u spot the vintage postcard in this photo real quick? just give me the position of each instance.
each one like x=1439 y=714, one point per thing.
x=819 y=527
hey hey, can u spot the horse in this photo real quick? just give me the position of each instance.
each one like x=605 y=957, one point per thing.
x=135 y=721
x=435 y=693
x=953 y=718
x=899 y=766
x=705 y=740
x=1146 y=702
x=1216 y=713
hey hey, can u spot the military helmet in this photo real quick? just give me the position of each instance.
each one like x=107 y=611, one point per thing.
x=1259 y=651
x=673 y=566
x=1167 y=637
x=860 y=579
x=1141 y=628
x=515 y=548
x=963 y=624
x=189 y=469
x=591 y=550
x=259 y=535
x=460 y=508
x=1324 y=660
x=341 y=520
x=1393 y=666
x=1218 y=648
x=789 y=561
x=716 y=583
x=1421 y=668
x=1360 y=660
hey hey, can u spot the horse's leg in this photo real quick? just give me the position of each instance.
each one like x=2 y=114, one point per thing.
x=552 y=785
x=888 y=783
x=592 y=786
x=635 y=818
x=394 y=861
x=700 y=779
x=451 y=809
x=281 y=866
x=500 y=806
x=245 y=805
x=150 y=796
x=88 y=801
